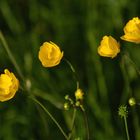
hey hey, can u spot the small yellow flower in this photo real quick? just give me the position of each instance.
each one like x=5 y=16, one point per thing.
x=50 y=54
x=9 y=84
x=132 y=31
x=109 y=47
x=79 y=94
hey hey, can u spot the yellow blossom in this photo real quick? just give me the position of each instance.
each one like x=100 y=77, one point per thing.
x=79 y=94
x=109 y=47
x=132 y=31
x=9 y=84
x=50 y=54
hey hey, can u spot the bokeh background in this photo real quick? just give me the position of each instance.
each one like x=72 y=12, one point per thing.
x=77 y=26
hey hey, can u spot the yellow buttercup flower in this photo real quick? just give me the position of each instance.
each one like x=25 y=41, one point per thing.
x=9 y=84
x=132 y=31
x=109 y=47
x=79 y=94
x=50 y=54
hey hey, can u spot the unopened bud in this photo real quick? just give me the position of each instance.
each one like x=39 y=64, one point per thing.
x=77 y=103
x=66 y=106
x=66 y=97
x=123 y=111
x=132 y=101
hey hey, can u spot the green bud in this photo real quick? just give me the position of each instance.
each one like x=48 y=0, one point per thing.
x=132 y=101
x=66 y=97
x=77 y=103
x=66 y=106
x=123 y=111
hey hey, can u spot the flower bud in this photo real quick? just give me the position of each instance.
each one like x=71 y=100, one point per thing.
x=66 y=97
x=77 y=103
x=123 y=111
x=132 y=101
x=66 y=106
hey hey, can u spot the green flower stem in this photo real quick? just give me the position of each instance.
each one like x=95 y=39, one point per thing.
x=72 y=126
x=126 y=128
x=50 y=115
x=86 y=122
x=73 y=70
x=5 y=45
x=126 y=90
x=133 y=63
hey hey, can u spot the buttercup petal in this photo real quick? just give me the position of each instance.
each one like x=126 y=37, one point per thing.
x=50 y=54
x=9 y=85
x=109 y=47
x=132 y=31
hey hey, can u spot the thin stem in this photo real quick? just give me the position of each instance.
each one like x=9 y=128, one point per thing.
x=133 y=63
x=126 y=128
x=5 y=45
x=86 y=122
x=50 y=115
x=72 y=126
x=73 y=70
x=127 y=90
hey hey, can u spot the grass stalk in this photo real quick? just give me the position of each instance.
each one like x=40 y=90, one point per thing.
x=11 y=57
x=50 y=115
x=126 y=128
x=74 y=72
x=72 y=126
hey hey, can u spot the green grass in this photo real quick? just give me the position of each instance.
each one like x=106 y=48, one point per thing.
x=77 y=27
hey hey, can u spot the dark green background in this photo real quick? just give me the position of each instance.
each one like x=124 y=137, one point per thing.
x=77 y=27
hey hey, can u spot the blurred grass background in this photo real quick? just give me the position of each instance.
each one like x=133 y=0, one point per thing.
x=77 y=26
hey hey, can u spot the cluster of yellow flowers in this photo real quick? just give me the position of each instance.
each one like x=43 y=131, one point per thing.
x=50 y=55
x=79 y=96
x=109 y=47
